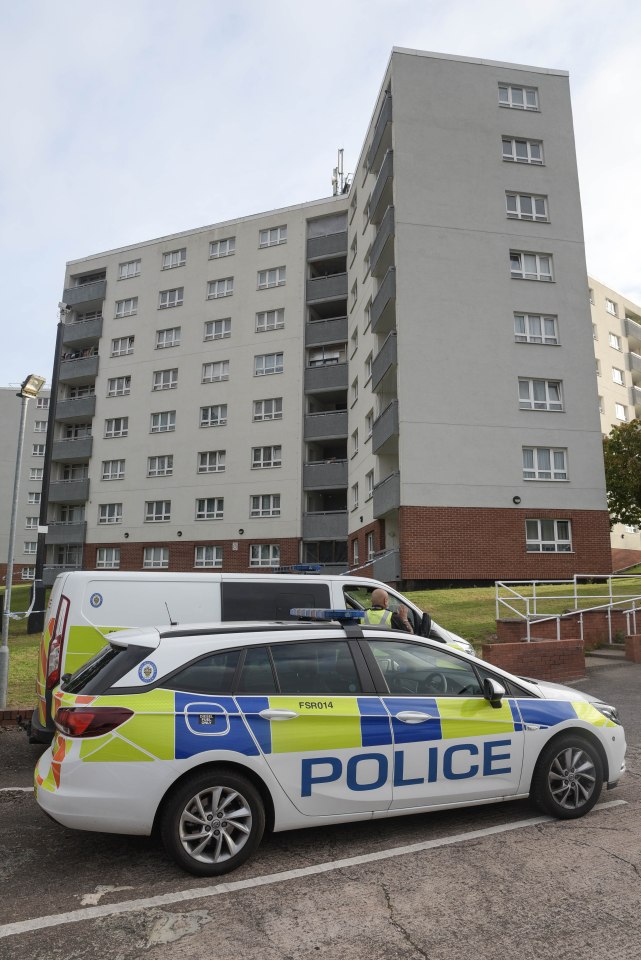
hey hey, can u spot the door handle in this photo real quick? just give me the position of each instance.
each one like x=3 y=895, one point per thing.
x=268 y=714
x=413 y=716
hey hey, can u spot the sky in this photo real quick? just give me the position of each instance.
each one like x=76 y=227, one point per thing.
x=133 y=119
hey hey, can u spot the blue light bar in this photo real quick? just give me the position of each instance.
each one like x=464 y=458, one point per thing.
x=299 y=568
x=319 y=613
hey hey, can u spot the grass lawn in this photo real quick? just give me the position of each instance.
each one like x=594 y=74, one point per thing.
x=23 y=652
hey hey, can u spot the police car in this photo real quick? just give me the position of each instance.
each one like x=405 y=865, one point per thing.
x=213 y=734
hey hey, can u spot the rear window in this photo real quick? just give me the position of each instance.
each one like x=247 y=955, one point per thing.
x=107 y=667
x=255 y=600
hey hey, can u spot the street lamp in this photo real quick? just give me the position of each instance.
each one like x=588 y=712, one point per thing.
x=30 y=387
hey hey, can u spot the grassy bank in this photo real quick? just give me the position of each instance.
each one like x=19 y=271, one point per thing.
x=23 y=651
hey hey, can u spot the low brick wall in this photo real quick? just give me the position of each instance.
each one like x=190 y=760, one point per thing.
x=15 y=716
x=557 y=660
x=633 y=648
x=595 y=628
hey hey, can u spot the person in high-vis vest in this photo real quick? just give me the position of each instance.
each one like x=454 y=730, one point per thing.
x=379 y=614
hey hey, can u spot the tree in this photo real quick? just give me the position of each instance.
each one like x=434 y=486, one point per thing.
x=622 y=454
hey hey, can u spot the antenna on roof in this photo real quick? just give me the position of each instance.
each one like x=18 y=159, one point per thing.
x=172 y=623
x=340 y=182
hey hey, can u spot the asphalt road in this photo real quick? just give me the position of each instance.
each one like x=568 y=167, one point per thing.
x=495 y=881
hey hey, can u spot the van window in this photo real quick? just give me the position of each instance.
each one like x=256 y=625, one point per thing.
x=323 y=666
x=270 y=600
x=359 y=597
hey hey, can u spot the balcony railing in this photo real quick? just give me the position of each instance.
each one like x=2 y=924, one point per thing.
x=385 y=427
x=381 y=196
x=384 y=360
x=72 y=450
x=78 y=369
x=326 y=525
x=333 y=287
x=326 y=426
x=325 y=474
x=382 y=138
x=86 y=293
x=326 y=331
x=330 y=376
x=382 y=312
x=84 y=331
x=78 y=408
x=69 y=491
x=387 y=495
x=387 y=567
x=380 y=254
x=332 y=245
x=73 y=533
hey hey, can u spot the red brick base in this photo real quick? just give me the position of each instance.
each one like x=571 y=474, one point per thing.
x=557 y=660
x=633 y=648
x=181 y=554
x=596 y=630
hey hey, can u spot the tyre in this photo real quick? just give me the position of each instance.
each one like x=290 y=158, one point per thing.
x=568 y=778
x=213 y=822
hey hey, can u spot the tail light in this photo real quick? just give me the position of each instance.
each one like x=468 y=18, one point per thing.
x=90 y=721
x=57 y=641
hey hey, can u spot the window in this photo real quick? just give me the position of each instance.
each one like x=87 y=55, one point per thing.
x=548 y=536
x=544 y=463
x=210 y=508
x=31 y=523
x=270 y=409
x=540 y=395
x=156 y=558
x=409 y=667
x=526 y=206
x=263 y=457
x=531 y=266
x=122 y=346
x=598 y=367
x=535 y=328
x=165 y=379
x=355 y=442
x=126 y=308
x=222 y=248
x=519 y=98
x=270 y=320
x=219 y=370
x=211 y=461
x=273 y=236
x=70 y=513
x=368 y=368
x=369 y=543
x=264 y=555
x=268 y=363
x=595 y=332
x=42 y=403
x=611 y=307
x=33 y=497
x=265 y=505
x=28 y=573
x=220 y=288
x=86 y=315
x=36 y=473
x=353 y=343
x=369 y=478
x=354 y=390
x=601 y=405
x=369 y=424
x=325 y=551
x=326 y=356
x=171 y=298
x=40 y=426
x=129 y=269
x=614 y=341
x=214 y=416
x=157 y=511
x=355 y=552
x=161 y=466
x=620 y=411
x=163 y=422
x=168 y=338
x=315 y=667
x=108 y=558
x=354 y=496
x=118 y=386
x=175 y=258
x=30 y=546
x=110 y=513
x=208 y=556
x=617 y=376
x=73 y=471
x=76 y=431
x=38 y=450
x=522 y=151
x=591 y=295
x=218 y=329
x=113 y=470
x=271 y=278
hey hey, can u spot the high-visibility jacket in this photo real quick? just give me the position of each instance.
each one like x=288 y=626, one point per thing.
x=378 y=616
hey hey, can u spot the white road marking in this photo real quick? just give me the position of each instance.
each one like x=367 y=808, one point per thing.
x=92 y=899
x=16 y=789
x=201 y=893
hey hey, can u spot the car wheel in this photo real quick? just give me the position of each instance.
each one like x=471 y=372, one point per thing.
x=568 y=778
x=213 y=822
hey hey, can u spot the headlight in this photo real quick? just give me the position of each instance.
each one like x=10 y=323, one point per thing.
x=465 y=647
x=608 y=711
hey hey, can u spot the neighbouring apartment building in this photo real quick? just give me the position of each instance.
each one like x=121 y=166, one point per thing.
x=616 y=329
x=31 y=470
x=396 y=378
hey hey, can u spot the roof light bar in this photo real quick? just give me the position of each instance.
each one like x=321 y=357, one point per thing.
x=318 y=613
x=299 y=568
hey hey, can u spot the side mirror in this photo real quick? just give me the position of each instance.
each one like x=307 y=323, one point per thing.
x=493 y=691
x=426 y=625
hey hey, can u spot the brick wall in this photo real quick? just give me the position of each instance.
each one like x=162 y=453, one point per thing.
x=378 y=528
x=17 y=572
x=595 y=628
x=557 y=660
x=181 y=554
x=633 y=648
x=470 y=543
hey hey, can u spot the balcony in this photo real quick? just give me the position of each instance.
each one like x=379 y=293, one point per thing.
x=79 y=369
x=382 y=139
x=69 y=491
x=633 y=329
x=387 y=495
x=382 y=313
x=325 y=426
x=72 y=451
x=66 y=533
x=387 y=567
x=328 y=525
x=382 y=194
x=332 y=245
x=86 y=293
x=634 y=361
x=79 y=408
x=328 y=376
x=324 y=474
x=635 y=398
x=82 y=333
x=326 y=331
x=384 y=362
x=333 y=287
x=381 y=255
x=385 y=429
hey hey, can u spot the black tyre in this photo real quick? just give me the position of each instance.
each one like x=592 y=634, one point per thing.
x=568 y=778
x=213 y=822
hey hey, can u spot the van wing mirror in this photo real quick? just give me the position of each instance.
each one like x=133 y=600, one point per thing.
x=493 y=691
x=426 y=625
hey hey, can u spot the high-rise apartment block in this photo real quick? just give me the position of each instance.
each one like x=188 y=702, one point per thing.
x=397 y=378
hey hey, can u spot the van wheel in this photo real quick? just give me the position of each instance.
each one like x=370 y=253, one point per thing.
x=213 y=822
x=568 y=778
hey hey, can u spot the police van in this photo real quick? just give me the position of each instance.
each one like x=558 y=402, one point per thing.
x=210 y=735
x=86 y=605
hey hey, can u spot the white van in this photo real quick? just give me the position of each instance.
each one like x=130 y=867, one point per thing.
x=85 y=605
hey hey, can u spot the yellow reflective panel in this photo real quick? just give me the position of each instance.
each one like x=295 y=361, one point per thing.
x=322 y=723
x=117 y=750
x=585 y=711
x=473 y=717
